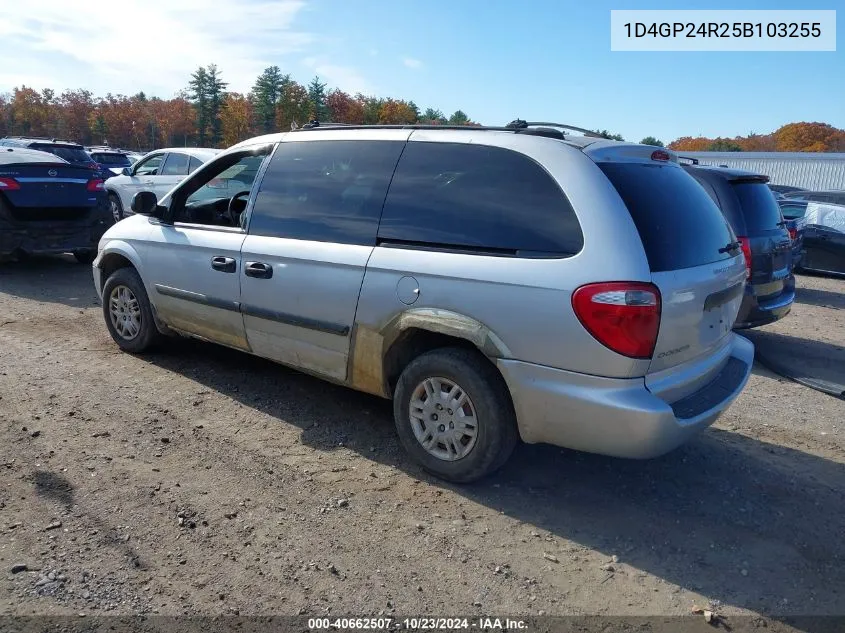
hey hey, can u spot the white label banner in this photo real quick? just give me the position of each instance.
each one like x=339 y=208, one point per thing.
x=723 y=30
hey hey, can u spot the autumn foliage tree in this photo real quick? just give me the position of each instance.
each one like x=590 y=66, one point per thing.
x=344 y=109
x=235 y=118
x=793 y=137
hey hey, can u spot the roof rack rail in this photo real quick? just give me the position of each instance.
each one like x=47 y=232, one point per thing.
x=42 y=138
x=692 y=161
x=519 y=124
x=514 y=126
x=315 y=123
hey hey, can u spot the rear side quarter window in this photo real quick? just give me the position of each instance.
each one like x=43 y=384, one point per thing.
x=478 y=198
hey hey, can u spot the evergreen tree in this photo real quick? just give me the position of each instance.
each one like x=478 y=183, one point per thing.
x=267 y=95
x=317 y=97
x=198 y=94
x=216 y=95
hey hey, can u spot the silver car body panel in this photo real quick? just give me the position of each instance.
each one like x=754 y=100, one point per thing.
x=334 y=310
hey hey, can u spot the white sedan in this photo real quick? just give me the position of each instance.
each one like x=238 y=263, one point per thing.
x=159 y=171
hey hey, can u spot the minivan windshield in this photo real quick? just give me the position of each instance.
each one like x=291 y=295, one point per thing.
x=679 y=224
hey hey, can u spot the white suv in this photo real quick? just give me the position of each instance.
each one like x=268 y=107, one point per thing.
x=158 y=172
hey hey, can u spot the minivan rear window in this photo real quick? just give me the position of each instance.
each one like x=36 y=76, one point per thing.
x=680 y=226
x=760 y=210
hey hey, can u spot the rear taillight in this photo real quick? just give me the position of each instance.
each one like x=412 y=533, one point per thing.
x=621 y=315
x=96 y=185
x=746 y=252
x=9 y=184
x=793 y=233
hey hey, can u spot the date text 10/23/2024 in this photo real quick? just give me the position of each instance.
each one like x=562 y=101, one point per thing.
x=417 y=624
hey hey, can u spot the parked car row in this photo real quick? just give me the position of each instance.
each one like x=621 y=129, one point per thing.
x=495 y=283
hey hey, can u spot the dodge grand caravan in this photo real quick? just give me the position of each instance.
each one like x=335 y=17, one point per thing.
x=496 y=283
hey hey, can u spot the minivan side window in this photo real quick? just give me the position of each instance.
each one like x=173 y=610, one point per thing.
x=326 y=191
x=477 y=198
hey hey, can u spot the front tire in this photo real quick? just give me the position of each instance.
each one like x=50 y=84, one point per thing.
x=116 y=208
x=128 y=313
x=454 y=415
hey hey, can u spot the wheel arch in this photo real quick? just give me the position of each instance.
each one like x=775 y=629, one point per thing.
x=116 y=255
x=379 y=355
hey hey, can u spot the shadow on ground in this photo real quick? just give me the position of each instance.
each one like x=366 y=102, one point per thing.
x=816 y=364
x=820 y=297
x=697 y=517
x=59 y=489
x=55 y=279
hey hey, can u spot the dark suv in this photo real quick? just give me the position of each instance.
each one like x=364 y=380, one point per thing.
x=73 y=153
x=750 y=208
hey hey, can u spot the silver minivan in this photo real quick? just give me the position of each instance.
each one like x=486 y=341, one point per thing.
x=497 y=284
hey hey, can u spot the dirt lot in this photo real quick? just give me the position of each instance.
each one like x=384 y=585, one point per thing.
x=202 y=480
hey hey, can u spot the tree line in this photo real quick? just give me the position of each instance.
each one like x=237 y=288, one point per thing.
x=207 y=114
x=792 y=137
x=204 y=114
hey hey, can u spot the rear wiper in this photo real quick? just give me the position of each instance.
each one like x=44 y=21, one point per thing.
x=730 y=247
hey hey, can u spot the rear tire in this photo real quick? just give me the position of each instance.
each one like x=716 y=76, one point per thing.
x=85 y=256
x=128 y=312
x=454 y=415
x=116 y=208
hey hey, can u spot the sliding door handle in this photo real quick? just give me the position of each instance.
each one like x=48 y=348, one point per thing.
x=224 y=264
x=259 y=270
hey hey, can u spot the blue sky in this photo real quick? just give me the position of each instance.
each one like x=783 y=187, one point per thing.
x=495 y=60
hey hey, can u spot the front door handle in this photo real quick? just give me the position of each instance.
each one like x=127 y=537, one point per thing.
x=224 y=264
x=259 y=270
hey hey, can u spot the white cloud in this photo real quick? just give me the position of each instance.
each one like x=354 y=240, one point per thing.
x=410 y=62
x=150 y=45
x=347 y=78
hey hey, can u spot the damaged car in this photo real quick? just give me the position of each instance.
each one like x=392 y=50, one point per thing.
x=48 y=205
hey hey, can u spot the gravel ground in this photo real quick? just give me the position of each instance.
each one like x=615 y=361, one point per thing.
x=200 y=480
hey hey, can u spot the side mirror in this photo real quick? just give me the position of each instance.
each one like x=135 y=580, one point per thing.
x=126 y=171
x=144 y=203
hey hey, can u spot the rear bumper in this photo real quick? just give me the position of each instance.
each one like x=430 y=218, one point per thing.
x=620 y=417
x=756 y=311
x=45 y=237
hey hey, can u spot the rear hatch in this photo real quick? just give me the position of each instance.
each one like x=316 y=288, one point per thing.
x=45 y=191
x=764 y=234
x=695 y=259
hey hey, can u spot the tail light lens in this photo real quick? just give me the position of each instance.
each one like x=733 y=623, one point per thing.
x=96 y=185
x=661 y=155
x=9 y=184
x=746 y=252
x=623 y=316
x=793 y=233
